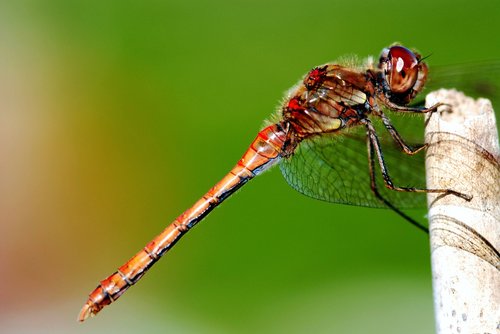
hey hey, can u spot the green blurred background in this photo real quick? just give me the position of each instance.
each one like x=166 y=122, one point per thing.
x=115 y=116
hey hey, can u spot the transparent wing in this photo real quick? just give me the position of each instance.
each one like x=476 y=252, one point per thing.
x=334 y=168
x=476 y=79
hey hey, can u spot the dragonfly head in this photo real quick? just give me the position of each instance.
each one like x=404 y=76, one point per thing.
x=404 y=73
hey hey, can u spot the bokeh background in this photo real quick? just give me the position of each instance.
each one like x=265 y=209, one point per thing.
x=115 y=116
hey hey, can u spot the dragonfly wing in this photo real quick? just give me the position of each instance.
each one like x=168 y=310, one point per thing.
x=477 y=79
x=335 y=167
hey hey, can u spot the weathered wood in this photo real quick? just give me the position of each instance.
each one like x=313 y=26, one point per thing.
x=464 y=155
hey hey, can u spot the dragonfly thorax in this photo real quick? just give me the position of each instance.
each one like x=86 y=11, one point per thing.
x=329 y=98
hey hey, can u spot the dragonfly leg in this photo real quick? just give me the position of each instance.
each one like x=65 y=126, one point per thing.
x=375 y=152
x=373 y=186
x=407 y=109
x=418 y=110
x=374 y=144
x=397 y=137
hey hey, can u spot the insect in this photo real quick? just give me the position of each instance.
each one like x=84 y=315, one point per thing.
x=312 y=136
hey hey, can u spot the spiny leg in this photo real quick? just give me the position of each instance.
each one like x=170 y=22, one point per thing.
x=373 y=186
x=397 y=137
x=375 y=144
x=407 y=109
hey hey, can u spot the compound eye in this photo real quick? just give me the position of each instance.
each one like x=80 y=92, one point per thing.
x=401 y=69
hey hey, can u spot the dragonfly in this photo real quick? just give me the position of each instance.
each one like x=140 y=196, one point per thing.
x=334 y=141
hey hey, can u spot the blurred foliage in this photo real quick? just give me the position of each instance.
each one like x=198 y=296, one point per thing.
x=117 y=115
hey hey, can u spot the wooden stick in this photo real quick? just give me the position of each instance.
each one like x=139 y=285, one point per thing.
x=464 y=155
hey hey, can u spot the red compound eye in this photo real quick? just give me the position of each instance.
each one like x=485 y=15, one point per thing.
x=400 y=66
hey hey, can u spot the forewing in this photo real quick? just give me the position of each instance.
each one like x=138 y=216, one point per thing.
x=475 y=79
x=478 y=79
